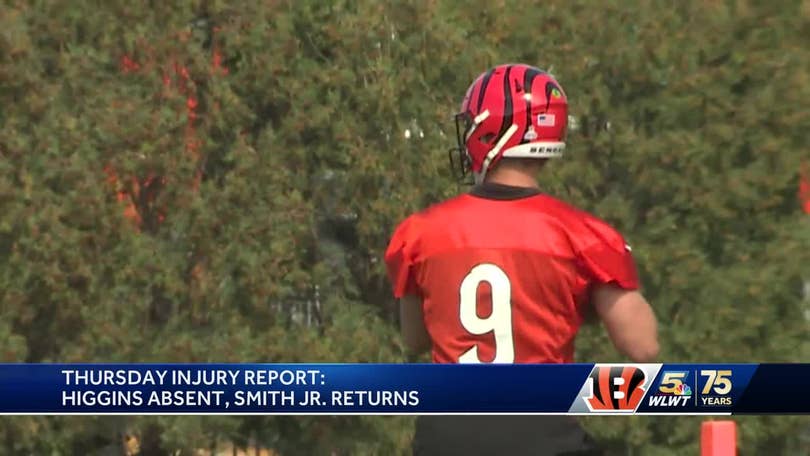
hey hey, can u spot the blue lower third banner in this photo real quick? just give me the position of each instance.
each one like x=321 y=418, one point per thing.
x=233 y=389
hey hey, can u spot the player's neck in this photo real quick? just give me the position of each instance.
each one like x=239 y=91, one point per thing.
x=512 y=177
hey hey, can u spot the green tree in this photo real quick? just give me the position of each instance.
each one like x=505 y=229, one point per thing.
x=329 y=126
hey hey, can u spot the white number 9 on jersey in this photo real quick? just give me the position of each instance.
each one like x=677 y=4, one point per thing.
x=499 y=321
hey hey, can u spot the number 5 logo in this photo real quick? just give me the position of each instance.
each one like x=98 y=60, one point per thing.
x=671 y=383
x=499 y=321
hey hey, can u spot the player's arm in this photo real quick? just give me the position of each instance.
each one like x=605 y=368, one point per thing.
x=399 y=261
x=629 y=320
x=412 y=324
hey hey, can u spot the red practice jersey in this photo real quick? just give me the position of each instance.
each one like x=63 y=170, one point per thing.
x=505 y=273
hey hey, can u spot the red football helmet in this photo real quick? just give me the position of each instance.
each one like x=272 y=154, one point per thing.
x=510 y=111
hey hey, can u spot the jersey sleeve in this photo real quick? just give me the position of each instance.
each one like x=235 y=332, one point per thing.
x=606 y=256
x=399 y=259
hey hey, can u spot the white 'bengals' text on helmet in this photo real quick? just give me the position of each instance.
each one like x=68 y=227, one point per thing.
x=510 y=111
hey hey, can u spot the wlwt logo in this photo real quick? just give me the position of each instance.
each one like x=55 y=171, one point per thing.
x=673 y=390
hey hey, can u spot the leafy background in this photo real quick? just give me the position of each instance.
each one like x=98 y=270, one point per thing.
x=316 y=127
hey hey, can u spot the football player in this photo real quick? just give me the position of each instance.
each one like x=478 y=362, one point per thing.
x=506 y=273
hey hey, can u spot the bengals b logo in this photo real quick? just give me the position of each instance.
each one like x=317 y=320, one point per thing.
x=615 y=388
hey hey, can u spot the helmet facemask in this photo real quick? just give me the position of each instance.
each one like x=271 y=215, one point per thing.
x=460 y=162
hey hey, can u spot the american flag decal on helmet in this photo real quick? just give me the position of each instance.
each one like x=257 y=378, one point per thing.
x=545 y=120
